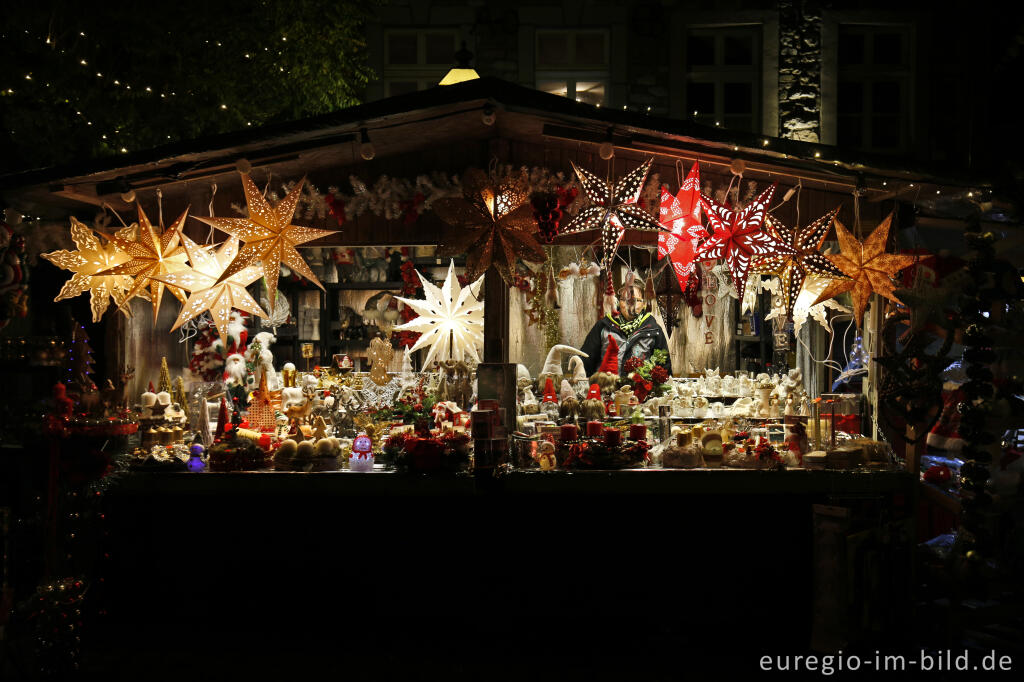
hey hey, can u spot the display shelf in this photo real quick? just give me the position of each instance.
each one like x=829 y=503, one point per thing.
x=623 y=482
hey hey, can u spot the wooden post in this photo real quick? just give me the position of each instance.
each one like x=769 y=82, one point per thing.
x=496 y=376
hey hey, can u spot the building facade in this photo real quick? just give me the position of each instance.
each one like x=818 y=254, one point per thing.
x=902 y=79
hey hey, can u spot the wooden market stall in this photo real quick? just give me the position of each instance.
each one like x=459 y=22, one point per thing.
x=374 y=177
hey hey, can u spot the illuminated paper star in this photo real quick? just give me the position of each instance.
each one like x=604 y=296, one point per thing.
x=270 y=238
x=494 y=226
x=807 y=308
x=151 y=255
x=208 y=292
x=869 y=267
x=738 y=236
x=93 y=256
x=680 y=215
x=451 y=319
x=614 y=208
x=806 y=260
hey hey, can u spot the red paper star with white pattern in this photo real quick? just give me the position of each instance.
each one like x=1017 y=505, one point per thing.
x=614 y=208
x=680 y=215
x=738 y=237
x=270 y=238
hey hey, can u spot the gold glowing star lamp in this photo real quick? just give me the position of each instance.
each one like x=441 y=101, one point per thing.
x=462 y=71
x=92 y=256
x=207 y=291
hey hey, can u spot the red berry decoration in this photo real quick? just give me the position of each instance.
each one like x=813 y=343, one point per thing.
x=633 y=364
x=659 y=374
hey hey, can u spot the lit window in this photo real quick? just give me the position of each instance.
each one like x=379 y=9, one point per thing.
x=573 y=64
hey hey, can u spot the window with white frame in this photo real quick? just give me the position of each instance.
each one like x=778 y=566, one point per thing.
x=573 y=64
x=873 y=87
x=723 y=76
x=417 y=59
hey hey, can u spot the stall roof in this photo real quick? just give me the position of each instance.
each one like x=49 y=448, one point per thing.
x=443 y=115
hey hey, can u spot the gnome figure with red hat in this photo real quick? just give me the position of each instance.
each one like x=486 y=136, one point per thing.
x=549 y=403
x=592 y=408
x=607 y=375
x=633 y=331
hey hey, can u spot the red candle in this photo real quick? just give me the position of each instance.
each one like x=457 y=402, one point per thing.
x=637 y=431
x=568 y=432
x=265 y=441
x=595 y=428
x=612 y=437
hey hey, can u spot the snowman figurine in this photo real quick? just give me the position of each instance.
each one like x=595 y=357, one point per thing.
x=362 y=454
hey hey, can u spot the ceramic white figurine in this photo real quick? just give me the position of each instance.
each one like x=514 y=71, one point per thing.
x=743 y=385
x=700 y=407
x=146 y=403
x=728 y=385
x=292 y=396
x=741 y=408
x=773 y=408
x=529 y=404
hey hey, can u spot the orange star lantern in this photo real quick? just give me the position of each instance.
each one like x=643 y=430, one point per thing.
x=270 y=238
x=152 y=254
x=738 y=237
x=869 y=267
x=207 y=291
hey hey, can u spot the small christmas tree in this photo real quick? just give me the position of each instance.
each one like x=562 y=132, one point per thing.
x=165 y=376
x=222 y=420
x=80 y=360
x=178 y=396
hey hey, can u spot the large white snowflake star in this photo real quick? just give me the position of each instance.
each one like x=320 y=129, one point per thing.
x=451 y=319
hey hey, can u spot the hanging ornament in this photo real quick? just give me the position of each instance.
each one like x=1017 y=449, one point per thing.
x=928 y=300
x=738 y=237
x=806 y=307
x=807 y=258
x=493 y=226
x=208 y=292
x=869 y=267
x=547 y=214
x=451 y=319
x=680 y=215
x=94 y=255
x=614 y=208
x=151 y=255
x=270 y=238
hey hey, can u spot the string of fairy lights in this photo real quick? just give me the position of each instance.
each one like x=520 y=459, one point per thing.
x=108 y=79
x=109 y=138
